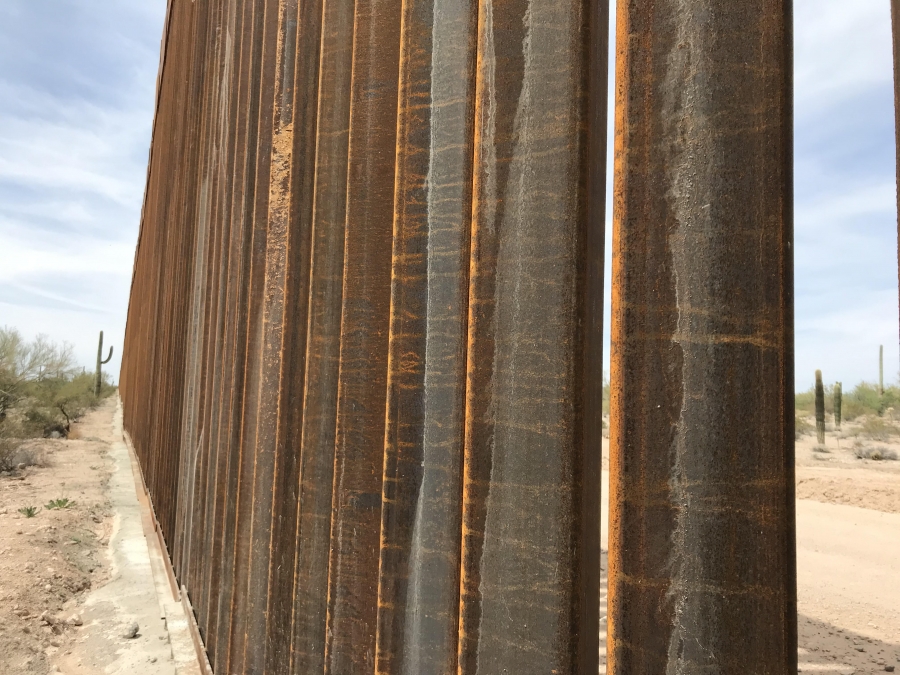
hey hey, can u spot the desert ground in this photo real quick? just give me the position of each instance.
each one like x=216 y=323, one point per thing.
x=69 y=597
x=77 y=595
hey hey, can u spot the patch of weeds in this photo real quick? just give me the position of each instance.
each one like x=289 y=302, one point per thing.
x=62 y=503
x=875 y=454
x=29 y=511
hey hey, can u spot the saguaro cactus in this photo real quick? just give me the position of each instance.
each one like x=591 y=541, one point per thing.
x=820 y=408
x=838 y=399
x=881 y=370
x=98 y=380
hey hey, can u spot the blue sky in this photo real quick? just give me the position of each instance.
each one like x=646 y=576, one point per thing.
x=77 y=83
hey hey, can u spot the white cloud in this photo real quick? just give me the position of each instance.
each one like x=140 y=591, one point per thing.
x=840 y=49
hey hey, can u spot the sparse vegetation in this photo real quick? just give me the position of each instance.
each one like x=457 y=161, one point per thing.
x=875 y=454
x=41 y=393
x=62 y=503
x=863 y=400
x=802 y=427
x=878 y=429
x=13 y=454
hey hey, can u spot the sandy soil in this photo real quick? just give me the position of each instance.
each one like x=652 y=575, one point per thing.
x=48 y=561
x=74 y=581
x=848 y=548
x=833 y=474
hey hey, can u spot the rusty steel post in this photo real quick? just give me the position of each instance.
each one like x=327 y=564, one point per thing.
x=418 y=600
x=365 y=323
x=531 y=527
x=702 y=574
x=297 y=87
x=317 y=440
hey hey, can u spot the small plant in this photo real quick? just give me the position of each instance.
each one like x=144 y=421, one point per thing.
x=29 y=511
x=63 y=503
x=821 y=448
x=820 y=409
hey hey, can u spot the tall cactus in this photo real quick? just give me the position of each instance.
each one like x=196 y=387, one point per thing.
x=98 y=380
x=838 y=399
x=820 y=408
x=881 y=370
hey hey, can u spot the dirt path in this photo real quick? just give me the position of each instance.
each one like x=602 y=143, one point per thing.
x=75 y=580
x=47 y=561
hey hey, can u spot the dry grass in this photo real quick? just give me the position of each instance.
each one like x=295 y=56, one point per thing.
x=802 y=427
x=878 y=429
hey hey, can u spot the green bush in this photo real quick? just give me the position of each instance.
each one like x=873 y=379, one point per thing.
x=52 y=405
x=853 y=409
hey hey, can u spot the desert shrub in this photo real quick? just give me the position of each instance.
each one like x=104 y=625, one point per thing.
x=867 y=396
x=14 y=454
x=852 y=409
x=51 y=405
x=802 y=427
x=8 y=448
x=10 y=442
x=805 y=401
x=875 y=454
x=878 y=430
